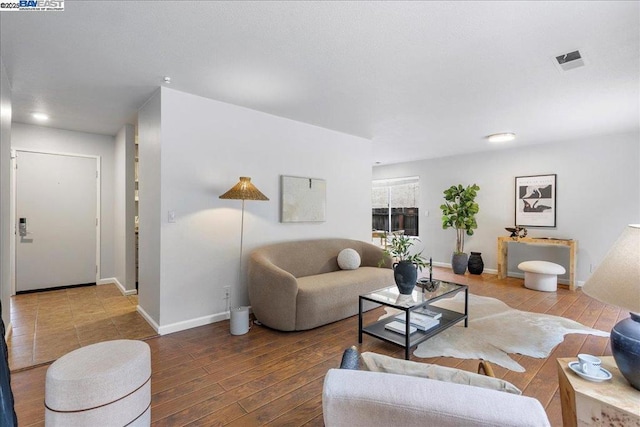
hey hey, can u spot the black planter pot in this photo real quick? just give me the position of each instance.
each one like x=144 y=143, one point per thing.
x=459 y=263
x=405 y=274
x=475 y=264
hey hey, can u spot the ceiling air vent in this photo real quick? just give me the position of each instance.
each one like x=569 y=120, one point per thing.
x=569 y=61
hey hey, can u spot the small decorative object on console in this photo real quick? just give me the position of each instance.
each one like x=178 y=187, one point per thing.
x=517 y=231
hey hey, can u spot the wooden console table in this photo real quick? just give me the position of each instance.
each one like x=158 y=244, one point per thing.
x=503 y=249
x=609 y=403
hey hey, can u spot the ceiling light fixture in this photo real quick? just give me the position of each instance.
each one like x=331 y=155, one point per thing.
x=167 y=80
x=40 y=116
x=502 y=137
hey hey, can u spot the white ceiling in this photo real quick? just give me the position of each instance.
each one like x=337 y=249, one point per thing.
x=420 y=79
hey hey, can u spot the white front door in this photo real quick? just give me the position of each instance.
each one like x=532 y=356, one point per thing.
x=57 y=220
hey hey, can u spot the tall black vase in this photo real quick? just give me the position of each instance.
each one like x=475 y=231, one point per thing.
x=405 y=274
x=475 y=265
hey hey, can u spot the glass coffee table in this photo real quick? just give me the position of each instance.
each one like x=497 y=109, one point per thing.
x=418 y=302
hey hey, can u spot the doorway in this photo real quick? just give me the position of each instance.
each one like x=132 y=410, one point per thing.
x=57 y=211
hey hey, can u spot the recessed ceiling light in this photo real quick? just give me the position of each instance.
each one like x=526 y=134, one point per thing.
x=167 y=80
x=40 y=116
x=502 y=137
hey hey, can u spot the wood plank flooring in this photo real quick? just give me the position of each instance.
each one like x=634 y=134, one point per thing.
x=207 y=377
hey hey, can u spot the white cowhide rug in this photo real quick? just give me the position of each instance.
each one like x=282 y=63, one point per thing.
x=495 y=329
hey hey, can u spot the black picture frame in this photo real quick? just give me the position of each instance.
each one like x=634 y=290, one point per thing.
x=535 y=201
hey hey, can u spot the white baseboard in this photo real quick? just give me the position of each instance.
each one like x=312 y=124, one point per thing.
x=185 y=324
x=192 y=323
x=148 y=318
x=110 y=280
x=447 y=265
x=561 y=281
x=516 y=274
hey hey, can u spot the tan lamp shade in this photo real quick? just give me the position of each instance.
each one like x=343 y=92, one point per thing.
x=616 y=281
x=244 y=190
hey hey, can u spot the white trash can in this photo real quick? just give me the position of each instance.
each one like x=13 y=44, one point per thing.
x=239 y=320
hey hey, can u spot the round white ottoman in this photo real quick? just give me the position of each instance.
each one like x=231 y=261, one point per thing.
x=103 y=384
x=541 y=275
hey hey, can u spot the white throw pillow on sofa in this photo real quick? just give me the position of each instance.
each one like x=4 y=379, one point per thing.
x=348 y=259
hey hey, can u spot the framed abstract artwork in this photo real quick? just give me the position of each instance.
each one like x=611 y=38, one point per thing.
x=536 y=201
x=302 y=199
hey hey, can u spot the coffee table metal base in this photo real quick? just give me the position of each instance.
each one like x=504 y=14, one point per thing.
x=416 y=301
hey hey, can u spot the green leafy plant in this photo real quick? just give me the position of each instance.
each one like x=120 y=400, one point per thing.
x=459 y=211
x=399 y=248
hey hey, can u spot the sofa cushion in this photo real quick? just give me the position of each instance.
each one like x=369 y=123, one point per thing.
x=328 y=297
x=381 y=363
x=348 y=259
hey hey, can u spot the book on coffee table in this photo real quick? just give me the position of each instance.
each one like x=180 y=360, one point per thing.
x=428 y=312
x=420 y=321
x=399 y=327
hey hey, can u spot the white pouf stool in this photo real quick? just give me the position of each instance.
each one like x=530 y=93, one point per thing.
x=541 y=275
x=103 y=384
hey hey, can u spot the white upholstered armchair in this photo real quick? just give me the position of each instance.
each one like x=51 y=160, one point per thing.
x=367 y=398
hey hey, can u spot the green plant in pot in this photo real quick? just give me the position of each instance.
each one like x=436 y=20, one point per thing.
x=459 y=211
x=406 y=265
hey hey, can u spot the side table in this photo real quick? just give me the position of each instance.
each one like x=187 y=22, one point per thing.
x=588 y=403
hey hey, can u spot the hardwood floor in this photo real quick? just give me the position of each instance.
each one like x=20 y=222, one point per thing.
x=207 y=377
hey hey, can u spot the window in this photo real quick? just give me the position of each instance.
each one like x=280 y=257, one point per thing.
x=395 y=205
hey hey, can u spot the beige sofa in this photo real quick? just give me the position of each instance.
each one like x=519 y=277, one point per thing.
x=298 y=285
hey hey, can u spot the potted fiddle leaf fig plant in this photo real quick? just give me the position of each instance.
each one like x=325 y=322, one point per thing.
x=406 y=264
x=459 y=211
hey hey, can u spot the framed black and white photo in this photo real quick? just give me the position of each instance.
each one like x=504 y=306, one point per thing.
x=536 y=201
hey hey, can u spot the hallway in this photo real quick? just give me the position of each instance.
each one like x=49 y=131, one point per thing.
x=47 y=325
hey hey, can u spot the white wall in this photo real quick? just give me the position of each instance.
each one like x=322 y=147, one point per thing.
x=149 y=118
x=5 y=191
x=124 y=208
x=25 y=136
x=597 y=195
x=206 y=146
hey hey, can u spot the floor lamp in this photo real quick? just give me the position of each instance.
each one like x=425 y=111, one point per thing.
x=243 y=190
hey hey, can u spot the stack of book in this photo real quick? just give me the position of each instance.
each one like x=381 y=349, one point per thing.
x=429 y=312
x=399 y=327
x=423 y=320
